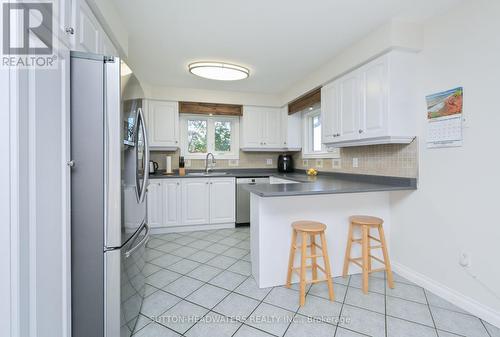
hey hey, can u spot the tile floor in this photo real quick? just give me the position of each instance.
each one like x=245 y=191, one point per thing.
x=200 y=284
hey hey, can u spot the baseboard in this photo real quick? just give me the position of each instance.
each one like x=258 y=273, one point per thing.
x=190 y=228
x=466 y=303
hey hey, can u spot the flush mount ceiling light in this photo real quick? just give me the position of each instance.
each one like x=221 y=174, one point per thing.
x=219 y=71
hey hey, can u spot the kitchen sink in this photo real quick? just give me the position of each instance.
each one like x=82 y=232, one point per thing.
x=203 y=174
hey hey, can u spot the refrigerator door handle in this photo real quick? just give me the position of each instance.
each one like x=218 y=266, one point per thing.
x=145 y=181
x=131 y=251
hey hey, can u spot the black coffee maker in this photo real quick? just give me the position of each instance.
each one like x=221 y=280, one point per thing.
x=285 y=163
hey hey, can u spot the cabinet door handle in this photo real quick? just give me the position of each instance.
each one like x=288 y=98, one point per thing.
x=70 y=30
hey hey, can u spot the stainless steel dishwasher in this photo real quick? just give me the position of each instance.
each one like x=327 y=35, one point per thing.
x=243 y=198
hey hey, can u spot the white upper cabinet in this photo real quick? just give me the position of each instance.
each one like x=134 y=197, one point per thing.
x=374 y=104
x=330 y=112
x=265 y=129
x=348 y=113
x=86 y=28
x=374 y=95
x=292 y=129
x=273 y=133
x=222 y=200
x=88 y=34
x=252 y=132
x=162 y=120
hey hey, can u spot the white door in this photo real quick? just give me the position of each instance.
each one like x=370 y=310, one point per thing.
x=63 y=16
x=272 y=128
x=195 y=201
x=349 y=108
x=163 y=123
x=252 y=127
x=155 y=204
x=330 y=113
x=222 y=200
x=87 y=32
x=374 y=96
x=171 y=202
x=292 y=128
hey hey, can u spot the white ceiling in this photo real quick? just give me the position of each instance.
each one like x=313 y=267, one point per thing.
x=280 y=41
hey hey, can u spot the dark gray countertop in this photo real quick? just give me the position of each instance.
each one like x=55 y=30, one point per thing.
x=333 y=183
x=323 y=183
x=238 y=173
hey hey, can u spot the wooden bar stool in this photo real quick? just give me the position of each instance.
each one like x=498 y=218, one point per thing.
x=309 y=229
x=365 y=261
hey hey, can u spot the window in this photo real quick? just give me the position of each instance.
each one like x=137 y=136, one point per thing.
x=312 y=146
x=203 y=134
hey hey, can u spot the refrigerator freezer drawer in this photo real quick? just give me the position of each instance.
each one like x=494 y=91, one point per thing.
x=124 y=285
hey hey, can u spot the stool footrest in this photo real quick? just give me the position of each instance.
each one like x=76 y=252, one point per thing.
x=376 y=258
x=308 y=246
x=317 y=280
x=297 y=269
x=374 y=238
x=311 y=256
x=376 y=270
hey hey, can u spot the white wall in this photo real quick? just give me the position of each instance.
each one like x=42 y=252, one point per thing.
x=456 y=205
x=211 y=96
x=394 y=34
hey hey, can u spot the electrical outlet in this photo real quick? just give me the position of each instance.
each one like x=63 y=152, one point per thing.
x=187 y=163
x=464 y=259
x=336 y=163
x=319 y=163
x=355 y=162
x=269 y=161
x=305 y=163
x=233 y=162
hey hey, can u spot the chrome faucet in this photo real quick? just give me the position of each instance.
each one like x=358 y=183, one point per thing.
x=207 y=168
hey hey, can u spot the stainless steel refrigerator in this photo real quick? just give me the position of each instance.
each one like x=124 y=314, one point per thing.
x=109 y=178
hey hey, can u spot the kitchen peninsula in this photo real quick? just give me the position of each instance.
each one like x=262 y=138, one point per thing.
x=328 y=198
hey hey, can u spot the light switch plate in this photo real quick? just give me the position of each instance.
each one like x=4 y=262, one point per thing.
x=319 y=163
x=355 y=162
x=336 y=163
x=233 y=162
x=269 y=161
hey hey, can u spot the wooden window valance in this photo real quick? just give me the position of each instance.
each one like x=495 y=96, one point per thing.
x=306 y=101
x=211 y=108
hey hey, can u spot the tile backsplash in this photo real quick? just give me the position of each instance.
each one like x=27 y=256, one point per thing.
x=247 y=160
x=399 y=160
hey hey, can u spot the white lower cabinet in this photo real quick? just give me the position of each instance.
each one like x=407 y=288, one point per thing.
x=155 y=204
x=171 y=204
x=191 y=202
x=195 y=201
x=222 y=200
